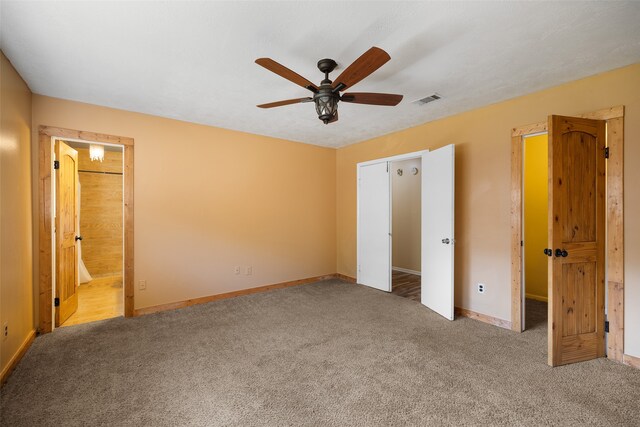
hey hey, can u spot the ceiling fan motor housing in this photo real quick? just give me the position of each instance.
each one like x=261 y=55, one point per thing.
x=325 y=99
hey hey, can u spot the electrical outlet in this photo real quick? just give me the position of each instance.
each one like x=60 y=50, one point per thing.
x=237 y=269
x=249 y=271
x=481 y=288
x=5 y=330
x=142 y=285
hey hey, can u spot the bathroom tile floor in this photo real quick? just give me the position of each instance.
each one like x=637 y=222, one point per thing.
x=102 y=298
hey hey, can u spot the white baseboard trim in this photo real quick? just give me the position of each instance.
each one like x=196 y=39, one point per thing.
x=406 y=270
x=537 y=297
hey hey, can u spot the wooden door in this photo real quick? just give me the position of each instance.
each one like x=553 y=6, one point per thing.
x=577 y=239
x=66 y=232
x=438 y=186
x=374 y=226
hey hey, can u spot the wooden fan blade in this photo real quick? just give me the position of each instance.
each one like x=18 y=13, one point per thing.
x=283 y=71
x=286 y=102
x=372 y=98
x=334 y=118
x=370 y=61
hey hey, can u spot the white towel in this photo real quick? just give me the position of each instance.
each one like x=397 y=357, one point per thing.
x=83 y=273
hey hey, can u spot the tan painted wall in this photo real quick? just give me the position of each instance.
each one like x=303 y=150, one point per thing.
x=483 y=168
x=101 y=213
x=16 y=289
x=209 y=199
x=535 y=216
x=407 y=198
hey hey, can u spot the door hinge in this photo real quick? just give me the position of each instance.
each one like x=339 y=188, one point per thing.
x=521 y=243
x=606 y=326
x=56 y=302
x=56 y=164
x=606 y=152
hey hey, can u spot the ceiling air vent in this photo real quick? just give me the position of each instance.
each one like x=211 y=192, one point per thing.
x=428 y=99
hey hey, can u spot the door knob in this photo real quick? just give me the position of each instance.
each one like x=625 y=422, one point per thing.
x=78 y=238
x=548 y=252
x=446 y=241
x=561 y=253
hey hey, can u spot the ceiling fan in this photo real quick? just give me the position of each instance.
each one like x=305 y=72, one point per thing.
x=327 y=95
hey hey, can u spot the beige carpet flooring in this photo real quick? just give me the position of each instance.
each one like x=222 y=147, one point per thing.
x=324 y=354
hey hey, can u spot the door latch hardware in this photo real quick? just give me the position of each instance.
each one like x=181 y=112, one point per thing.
x=561 y=253
x=446 y=241
x=56 y=302
x=78 y=238
x=548 y=252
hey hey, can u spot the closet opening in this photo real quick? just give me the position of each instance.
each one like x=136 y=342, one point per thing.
x=378 y=231
x=535 y=231
x=406 y=196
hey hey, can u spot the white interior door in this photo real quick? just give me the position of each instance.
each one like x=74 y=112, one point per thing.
x=374 y=226
x=437 y=230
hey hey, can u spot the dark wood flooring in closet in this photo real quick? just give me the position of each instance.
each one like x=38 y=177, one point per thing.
x=405 y=285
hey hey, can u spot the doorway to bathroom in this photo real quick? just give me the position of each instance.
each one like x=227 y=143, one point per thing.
x=60 y=235
x=99 y=211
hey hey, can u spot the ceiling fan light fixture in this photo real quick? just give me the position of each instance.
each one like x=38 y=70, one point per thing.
x=326 y=106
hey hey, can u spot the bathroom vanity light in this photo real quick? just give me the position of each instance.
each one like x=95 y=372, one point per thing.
x=96 y=152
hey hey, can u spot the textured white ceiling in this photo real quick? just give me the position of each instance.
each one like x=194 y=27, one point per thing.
x=193 y=61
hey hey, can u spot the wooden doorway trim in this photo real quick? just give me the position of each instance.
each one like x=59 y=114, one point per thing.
x=614 y=117
x=45 y=164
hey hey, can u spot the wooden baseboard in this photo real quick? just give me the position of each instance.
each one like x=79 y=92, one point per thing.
x=345 y=278
x=210 y=298
x=631 y=361
x=536 y=297
x=406 y=270
x=463 y=312
x=13 y=362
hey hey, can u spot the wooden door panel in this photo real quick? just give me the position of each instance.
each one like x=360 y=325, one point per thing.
x=67 y=192
x=68 y=295
x=578 y=349
x=579 y=180
x=578 y=297
x=581 y=252
x=66 y=231
x=577 y=226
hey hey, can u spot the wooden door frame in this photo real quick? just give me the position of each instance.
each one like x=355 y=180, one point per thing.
x=45 y=256
x=614 y=117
